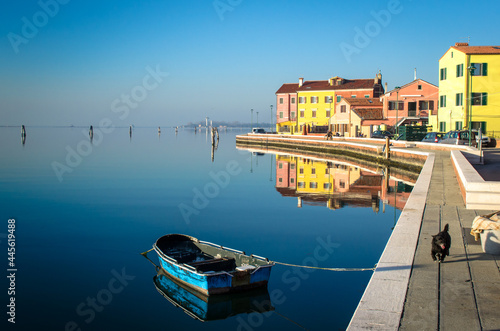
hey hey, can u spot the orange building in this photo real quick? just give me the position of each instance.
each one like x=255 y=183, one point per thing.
x=411 y=103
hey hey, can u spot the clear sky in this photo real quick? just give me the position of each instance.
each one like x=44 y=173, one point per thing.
x=171 y=62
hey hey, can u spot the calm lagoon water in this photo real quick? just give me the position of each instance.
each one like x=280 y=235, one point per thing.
x=78 y=237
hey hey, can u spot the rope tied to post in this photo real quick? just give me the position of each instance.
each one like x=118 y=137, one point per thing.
x=329 y=269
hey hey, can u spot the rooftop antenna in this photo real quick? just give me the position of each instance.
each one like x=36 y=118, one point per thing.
x=415 y=74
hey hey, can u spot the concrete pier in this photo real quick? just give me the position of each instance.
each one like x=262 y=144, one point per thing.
x=408 y=290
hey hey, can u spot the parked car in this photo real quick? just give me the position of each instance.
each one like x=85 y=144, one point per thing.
x=433 y=137
x=485 y=139
x=459 y=138
x=381 y=134
x=258 y=130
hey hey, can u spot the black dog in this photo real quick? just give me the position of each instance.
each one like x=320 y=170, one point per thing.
x=441 y=245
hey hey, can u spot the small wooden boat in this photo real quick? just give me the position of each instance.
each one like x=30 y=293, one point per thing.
x=209 y=268
x=215 y=307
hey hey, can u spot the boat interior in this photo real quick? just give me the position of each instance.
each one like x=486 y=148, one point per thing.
x=204 y=257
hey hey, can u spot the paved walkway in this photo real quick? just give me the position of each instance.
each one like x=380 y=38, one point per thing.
x=463 y=293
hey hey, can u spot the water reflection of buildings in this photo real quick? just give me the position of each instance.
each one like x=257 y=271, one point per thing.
x=335 y=184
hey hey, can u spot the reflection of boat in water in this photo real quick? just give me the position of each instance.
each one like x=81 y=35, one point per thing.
x=209 y=308
x=209 y=268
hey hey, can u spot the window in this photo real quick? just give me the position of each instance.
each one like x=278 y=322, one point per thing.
x=460 y=70
x=442 y=74
x=301 y=171
x=313 y=171
x=459 y=98
x=451 y=54
x=314 y=113
x=328 y=99
x=458 y=125
x=342 y=183
x=281 y=101
x=479 y=99
x=292 y=166
x=281 y=114
x=328 y=113
x=419 y=87
x=302 y=113
x=293 y=100
x=302 y=99
x=339 y=97
x=481 y=69
x=292 y=180
x=280 y=180
x=343 y=108
x=431 y=105
x=292 y=115
x=301 y=184
x=314 y=99
x=280 y=165
x=442 y=101
x=353 y=96
x=326 y=186
x=367 y=96
x=479 y=125
x=313 y=185
x=392 y=105
x=327 y=171
x=442 y=126
x=423 y=105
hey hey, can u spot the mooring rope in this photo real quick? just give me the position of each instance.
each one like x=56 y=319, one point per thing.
x=145 y=254
x=330 y=269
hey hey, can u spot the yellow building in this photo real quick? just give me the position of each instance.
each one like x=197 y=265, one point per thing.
x=317 y=99
x=455 y=94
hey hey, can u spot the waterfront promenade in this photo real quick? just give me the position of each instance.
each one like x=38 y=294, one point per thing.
x=463 y=293
x=408 y=291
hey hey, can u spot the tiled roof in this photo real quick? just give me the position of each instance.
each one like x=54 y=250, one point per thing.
x=369 y=113
x=478 y=49
x=348 y=84
x=361 y=102
x=288 y=88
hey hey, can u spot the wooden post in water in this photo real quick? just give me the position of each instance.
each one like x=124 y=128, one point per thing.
x=23 y=135
x=387 y=152
x=91 y=132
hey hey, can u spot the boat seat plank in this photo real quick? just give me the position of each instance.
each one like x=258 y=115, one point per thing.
x=220 y=264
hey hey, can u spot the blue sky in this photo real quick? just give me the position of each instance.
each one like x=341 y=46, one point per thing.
x=223 y=57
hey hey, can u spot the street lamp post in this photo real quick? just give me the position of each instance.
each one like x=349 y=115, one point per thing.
x=251 y=123
x=271 y=125
x=257 y=118
x=397 y=109
x=330 y=98
x=471 y=69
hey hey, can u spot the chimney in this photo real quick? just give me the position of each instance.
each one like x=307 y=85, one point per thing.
x=415 y=75
x=330 y=81
x=301 y=81
x=385 y=87
x=461 y=44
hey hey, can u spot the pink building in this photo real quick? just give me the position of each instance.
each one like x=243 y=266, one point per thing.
x=286 y=109
x=416 y=101
x=286 y=173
